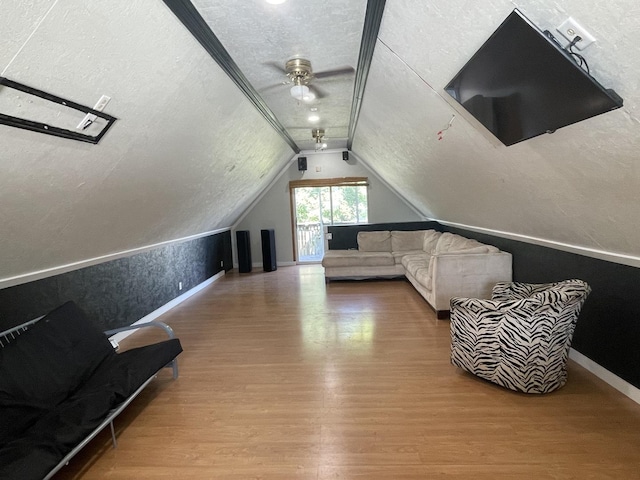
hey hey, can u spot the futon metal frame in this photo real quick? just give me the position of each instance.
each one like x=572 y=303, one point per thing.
x=13 y=335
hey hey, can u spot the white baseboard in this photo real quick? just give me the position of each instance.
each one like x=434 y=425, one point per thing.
x=259 y=265
x=603 y=374
x=168 y=306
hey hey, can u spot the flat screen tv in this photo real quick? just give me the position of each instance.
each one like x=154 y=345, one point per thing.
x=522 y=83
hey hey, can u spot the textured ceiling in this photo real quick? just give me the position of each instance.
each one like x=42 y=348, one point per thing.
x=327 y=33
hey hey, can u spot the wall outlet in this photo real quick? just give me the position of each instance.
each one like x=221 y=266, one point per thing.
x=570 y=29
x=221 y=264
x=179 y=285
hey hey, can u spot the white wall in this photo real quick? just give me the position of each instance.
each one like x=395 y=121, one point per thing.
x=575 y=189
x=188 y=153
x=273 y=210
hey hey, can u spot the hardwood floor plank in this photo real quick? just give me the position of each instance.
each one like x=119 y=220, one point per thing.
x=285 y=377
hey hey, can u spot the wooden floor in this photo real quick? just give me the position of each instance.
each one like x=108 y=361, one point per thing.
x=284 y=377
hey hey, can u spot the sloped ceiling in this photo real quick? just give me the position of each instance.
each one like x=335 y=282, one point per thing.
x=187 y=155
x=577 y=186
x=261 y=38
x=189 y=152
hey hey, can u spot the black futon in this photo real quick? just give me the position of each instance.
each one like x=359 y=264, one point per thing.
x=61 y=382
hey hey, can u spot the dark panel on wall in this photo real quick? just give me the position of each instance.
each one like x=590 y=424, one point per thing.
x=122 y=291
x=608 y=329
x=345 y=237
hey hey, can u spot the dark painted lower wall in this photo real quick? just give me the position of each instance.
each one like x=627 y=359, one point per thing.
x=608 y=330
x=345 y=237
x=121 y=292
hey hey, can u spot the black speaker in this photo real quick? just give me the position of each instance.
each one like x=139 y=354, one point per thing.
x=243 y=241
x=345 y=155
x=302 y=163
x=268 y=250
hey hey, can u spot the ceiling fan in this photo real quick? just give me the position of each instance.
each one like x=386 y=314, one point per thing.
x=301 y=75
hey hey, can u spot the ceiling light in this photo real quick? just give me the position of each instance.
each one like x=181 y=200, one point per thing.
x=318 y=135
x=275 y=2
x=314 y=118
x=299 y=92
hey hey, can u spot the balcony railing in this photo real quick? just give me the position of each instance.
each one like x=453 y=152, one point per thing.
x=310 y=242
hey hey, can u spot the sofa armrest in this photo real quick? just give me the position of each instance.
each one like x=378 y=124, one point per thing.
x=470 y=275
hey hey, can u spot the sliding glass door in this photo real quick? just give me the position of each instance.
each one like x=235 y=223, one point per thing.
x=318 y=206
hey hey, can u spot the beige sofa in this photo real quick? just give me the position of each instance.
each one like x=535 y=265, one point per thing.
x=438 y=265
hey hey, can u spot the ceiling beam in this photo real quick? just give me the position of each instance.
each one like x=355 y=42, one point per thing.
x=372 y=20
x=191 y=18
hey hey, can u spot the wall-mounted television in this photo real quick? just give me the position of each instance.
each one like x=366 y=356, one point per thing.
x=522 y=83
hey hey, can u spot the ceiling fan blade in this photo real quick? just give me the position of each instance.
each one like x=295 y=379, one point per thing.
x=274 y=86
x=336 y=71
x=275 y=66
x=317 y=91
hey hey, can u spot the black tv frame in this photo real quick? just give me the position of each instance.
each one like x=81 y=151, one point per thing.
x=452 y=89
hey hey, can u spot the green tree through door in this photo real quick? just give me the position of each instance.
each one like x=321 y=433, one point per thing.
x=316 y=207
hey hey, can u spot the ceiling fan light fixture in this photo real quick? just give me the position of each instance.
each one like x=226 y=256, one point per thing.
x=318 y=136
x=299 y=92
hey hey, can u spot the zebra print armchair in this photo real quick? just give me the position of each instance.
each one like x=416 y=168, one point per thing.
x=520 y=338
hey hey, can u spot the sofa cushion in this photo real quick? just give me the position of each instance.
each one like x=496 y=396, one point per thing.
x=452 y=243
x=424 y=278
x=407 y=241
x=398 y=256
x=34 y=453
x=431 y=238
x=356 y=258
x=15 y=419
x=378 y=241
x=125 y=372
x=51 y=359
x=413 y=262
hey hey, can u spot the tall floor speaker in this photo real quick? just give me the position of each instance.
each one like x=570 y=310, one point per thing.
x=243 y=242
x=269 y=250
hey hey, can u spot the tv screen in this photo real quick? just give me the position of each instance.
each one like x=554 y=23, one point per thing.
x=522 y=83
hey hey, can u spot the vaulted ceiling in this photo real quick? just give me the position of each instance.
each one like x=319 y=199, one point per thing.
x=190 y=151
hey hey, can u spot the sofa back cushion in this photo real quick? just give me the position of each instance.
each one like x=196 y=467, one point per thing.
x=407 y=241
x=50 y=360
x=452 y=243
x=379 y=241
x=431 y=238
